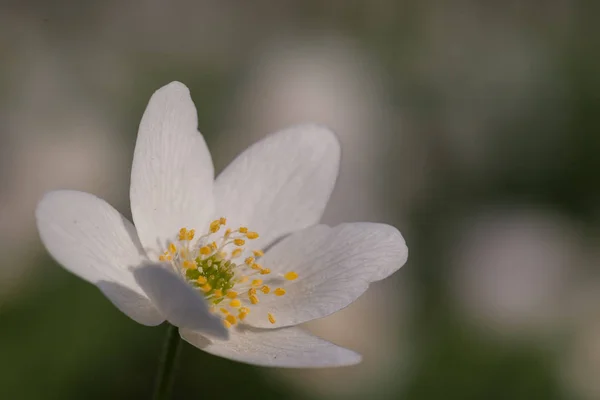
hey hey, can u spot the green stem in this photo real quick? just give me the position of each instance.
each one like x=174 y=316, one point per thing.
x=166 y=370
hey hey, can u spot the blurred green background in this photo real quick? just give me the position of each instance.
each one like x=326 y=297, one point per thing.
x=472 y=126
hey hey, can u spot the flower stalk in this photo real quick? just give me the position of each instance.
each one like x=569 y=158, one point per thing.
x=166 y=367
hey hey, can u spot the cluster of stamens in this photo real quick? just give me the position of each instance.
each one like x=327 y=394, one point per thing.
x=231 y=287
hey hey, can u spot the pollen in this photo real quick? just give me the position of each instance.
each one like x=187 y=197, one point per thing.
x=210 y=260
x=236 y=253
x=231 y=319
x=291 y=276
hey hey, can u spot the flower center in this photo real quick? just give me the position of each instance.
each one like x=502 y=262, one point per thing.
x=227 y=273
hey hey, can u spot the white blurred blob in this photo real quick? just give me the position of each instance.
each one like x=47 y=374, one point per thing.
x=330 y=82
x=512 y=269
x=53 y=138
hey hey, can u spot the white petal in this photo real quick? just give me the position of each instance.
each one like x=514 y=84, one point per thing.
x=95 y=242
x=172 y=173
x=177 y=301
x=334 y=267
x=280 y=184
x=285 y=348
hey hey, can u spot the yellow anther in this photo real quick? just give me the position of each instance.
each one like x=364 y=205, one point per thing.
x=201 y=280
x=231 y=319
x=290 y=276
x=265 y=271
x=162 y=257
x=190 y=234
x=251 y=292
x=224 y=310
x=205 y=250
x=182 y=233
x=252 y=235
x=239 y=242
x=235 y=303
x=256 y=266
x=187 y=264
x=258 y=253
x=279 y=291
x=213 y=245
x=236 y=253
x=206 y=288
x=245 y=310
x=265 y=289
x=243 y=229
x=232 y=294
x=172 y=248
x=222 y=221
x=227 y=233
x=218 y=293
x=257 y=282
x=227 y=324
x=215 y=226
x=249 y=260
x=253 y=299
x=242 y=316
x=271 y=318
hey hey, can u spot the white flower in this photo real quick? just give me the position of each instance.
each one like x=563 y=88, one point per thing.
x=194 y=257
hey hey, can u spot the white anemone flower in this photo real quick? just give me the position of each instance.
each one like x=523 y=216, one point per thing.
x=195 y=257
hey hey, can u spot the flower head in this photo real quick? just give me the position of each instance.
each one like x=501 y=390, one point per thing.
x=196 y=256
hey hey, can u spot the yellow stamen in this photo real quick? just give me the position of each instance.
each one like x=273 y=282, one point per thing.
x=187 y=264
x=271 y=318
x=162 y=257
x=232 y=294
x=205 y=250
x=290 y=276
x=257 y=282
x=251 y=291
x=243 y=229
x=265 y=271
x=227 y=233
x=256 y=266
x=279 y=292
x=182 y=233
x=222 y=221
x=172 y=248
x=227 y=324
x=245 y=310
x=252 y=235
x=249 y=260
x=253 y=299
x=215 y=226
x=206 y=288
x=224 y=310
x=258 y=253
x=242 y=316
x=236 y=253
x=235 y=303
x=265 y=289
x=239 y=242
x=218 y=293
x=231 y=319
x=213 y=245
x=201 y=280
x=190 y=234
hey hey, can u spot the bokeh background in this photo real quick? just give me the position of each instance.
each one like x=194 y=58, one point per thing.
x=472 y=126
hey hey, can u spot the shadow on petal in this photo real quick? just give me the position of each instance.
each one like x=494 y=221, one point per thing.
x=134 y=305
